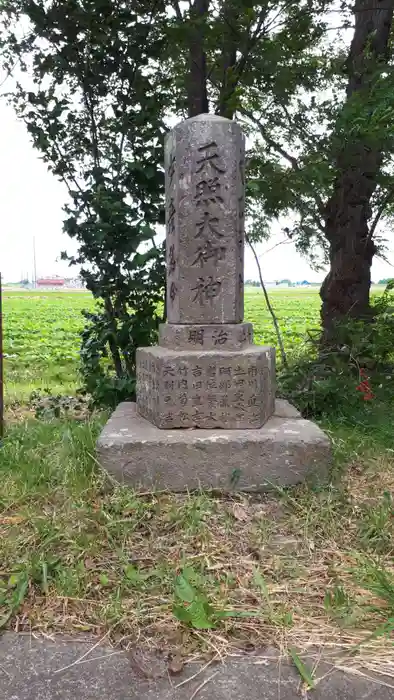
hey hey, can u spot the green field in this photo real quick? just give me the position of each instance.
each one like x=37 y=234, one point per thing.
x=41 y=339
x=42 y=332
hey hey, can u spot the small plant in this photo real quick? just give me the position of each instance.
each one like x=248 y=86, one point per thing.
x=305 y=674
x=375 y=531
x=380 y=582
x=338 y=603
x=12 y=594
x=334 y=379
x=192 y=605
x=48 y=406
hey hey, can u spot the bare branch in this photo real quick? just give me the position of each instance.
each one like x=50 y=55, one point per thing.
x=177 y=9
x=296 y=127
x=231 y=62
x=269 y=305
x=389 y=196
x=286 y=5
x=285 y=242
x=271 y=142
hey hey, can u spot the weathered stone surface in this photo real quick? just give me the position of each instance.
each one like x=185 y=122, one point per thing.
x=206 y=389
x=57 y=667
x=284 y=451
x=222 y=337
x=284 y=409
x=204 y=165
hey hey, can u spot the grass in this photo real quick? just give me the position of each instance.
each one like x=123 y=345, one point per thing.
x=300 y=568
x=296 y=568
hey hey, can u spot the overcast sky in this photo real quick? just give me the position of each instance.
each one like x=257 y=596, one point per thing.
x=31 y=207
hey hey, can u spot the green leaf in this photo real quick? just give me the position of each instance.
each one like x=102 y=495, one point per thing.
x=184 y=590
x=302 y=669
x=13 y=580
x=202 y=615
x=259 y=581
x=133 y=574
x=17 y=599
x=181 y=613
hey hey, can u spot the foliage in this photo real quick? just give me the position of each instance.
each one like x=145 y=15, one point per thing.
x=97 y=82
x=95 y=111
x=331 y=381
x=48 y=406
x=41 y=339
x=375 y=525
x=41 y=345
x=191 y=604
x=12 y=595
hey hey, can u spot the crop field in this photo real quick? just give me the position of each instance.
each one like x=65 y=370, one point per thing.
x=41 y=339
x=41 y=332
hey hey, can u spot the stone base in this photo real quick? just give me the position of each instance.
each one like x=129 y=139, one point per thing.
x=206 y=389
x=285 y=451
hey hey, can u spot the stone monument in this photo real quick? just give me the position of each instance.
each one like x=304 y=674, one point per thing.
x=206 y=406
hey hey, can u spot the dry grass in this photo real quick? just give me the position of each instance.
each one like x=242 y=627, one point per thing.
x=301 y=567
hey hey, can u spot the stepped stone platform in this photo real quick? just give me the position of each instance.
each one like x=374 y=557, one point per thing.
x=286 y=450
x=205 y=413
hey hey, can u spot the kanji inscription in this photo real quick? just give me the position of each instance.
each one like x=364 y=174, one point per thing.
x=208 y=389
x=204 y=207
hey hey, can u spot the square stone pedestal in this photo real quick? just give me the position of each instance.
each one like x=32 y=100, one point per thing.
x=285 y=451
x=206 y=388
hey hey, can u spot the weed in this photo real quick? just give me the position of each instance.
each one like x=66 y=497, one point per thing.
x=376 y=525
x=304 y=672
x=338 y=603
x=379 y=581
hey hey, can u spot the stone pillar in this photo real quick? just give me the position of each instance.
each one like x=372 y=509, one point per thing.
x=205 y=193
x=205 y=373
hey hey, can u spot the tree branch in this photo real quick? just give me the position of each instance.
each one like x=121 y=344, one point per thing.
x=197 y=86
x=285 y=242
x=290 y=159
x=271 y=142
x=231 y=66
x=177 y=9
x=293 y=126
x=379 y=213
x=131 y=83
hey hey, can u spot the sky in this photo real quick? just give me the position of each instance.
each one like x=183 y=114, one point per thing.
x=31 y=201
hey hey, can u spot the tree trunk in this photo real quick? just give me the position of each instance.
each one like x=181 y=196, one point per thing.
x=112 y=339
x=197 y=87
x=345 y=291
x=226 y=106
